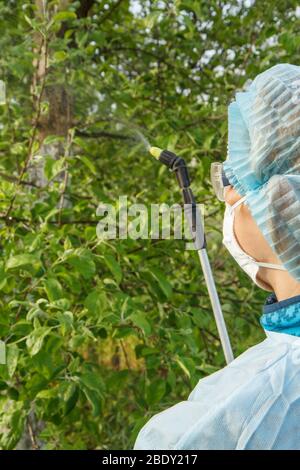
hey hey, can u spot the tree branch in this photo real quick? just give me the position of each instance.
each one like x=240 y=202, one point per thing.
x=110 y=12
x=12 y=219
x=85 y=6
x=14 y=179
x=35 y=125
x=96 y=135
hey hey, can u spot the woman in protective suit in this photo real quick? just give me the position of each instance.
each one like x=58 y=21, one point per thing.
x=254 y=402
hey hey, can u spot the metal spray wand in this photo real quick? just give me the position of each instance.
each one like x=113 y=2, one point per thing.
x=177 y=164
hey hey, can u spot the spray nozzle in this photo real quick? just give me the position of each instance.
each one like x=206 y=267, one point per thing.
x=174 y=163
x=164 y=156
x=155 y=152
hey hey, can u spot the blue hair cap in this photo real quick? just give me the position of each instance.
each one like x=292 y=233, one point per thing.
x=263 y=160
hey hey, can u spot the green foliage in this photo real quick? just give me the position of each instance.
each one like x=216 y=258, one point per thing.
x=101 y=335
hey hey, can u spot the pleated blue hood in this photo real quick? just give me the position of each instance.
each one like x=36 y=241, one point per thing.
x=263 y=160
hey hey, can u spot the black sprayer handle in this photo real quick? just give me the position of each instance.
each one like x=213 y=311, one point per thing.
x=178 y=165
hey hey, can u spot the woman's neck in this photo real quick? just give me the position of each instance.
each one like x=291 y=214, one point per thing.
x=283 y=284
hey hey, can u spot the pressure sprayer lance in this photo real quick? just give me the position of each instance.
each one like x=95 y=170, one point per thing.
x=177 y=164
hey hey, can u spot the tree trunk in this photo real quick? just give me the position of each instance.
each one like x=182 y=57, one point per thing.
x=56 y=121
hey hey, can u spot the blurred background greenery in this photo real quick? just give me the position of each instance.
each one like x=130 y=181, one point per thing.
x=102 y=335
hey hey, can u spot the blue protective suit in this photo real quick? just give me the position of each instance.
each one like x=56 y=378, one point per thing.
x=253 y=403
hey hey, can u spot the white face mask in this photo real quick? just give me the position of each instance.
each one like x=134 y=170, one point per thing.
x=246 y=262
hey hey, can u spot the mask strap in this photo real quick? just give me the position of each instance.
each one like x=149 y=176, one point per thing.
x=271 y=265
x=258 y=263
x=237 y=203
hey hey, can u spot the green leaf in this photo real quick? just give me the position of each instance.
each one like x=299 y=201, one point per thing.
x=53 y=166
x=19 y=261
x=2 y=352
x=114 y=267
x=13 y=422
x=183 y=367
x=83 y=263
x=3 y=276
x=43 y=362
x=88 y=163
x=51 y=139
x=200 y=317
x=48 y=167
x=12 y=356
x=164 y=284
x=36 y=339
x=53 y=289
x=96 y=303
x=155 y=391
x=60 y=56
x=29 y=21
x=64 y=16
x=66 y=321
x=95 y=400
x=13 y=393
x=70 y=398
x=139 y=320
x=99 y=37
x=91 y=380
